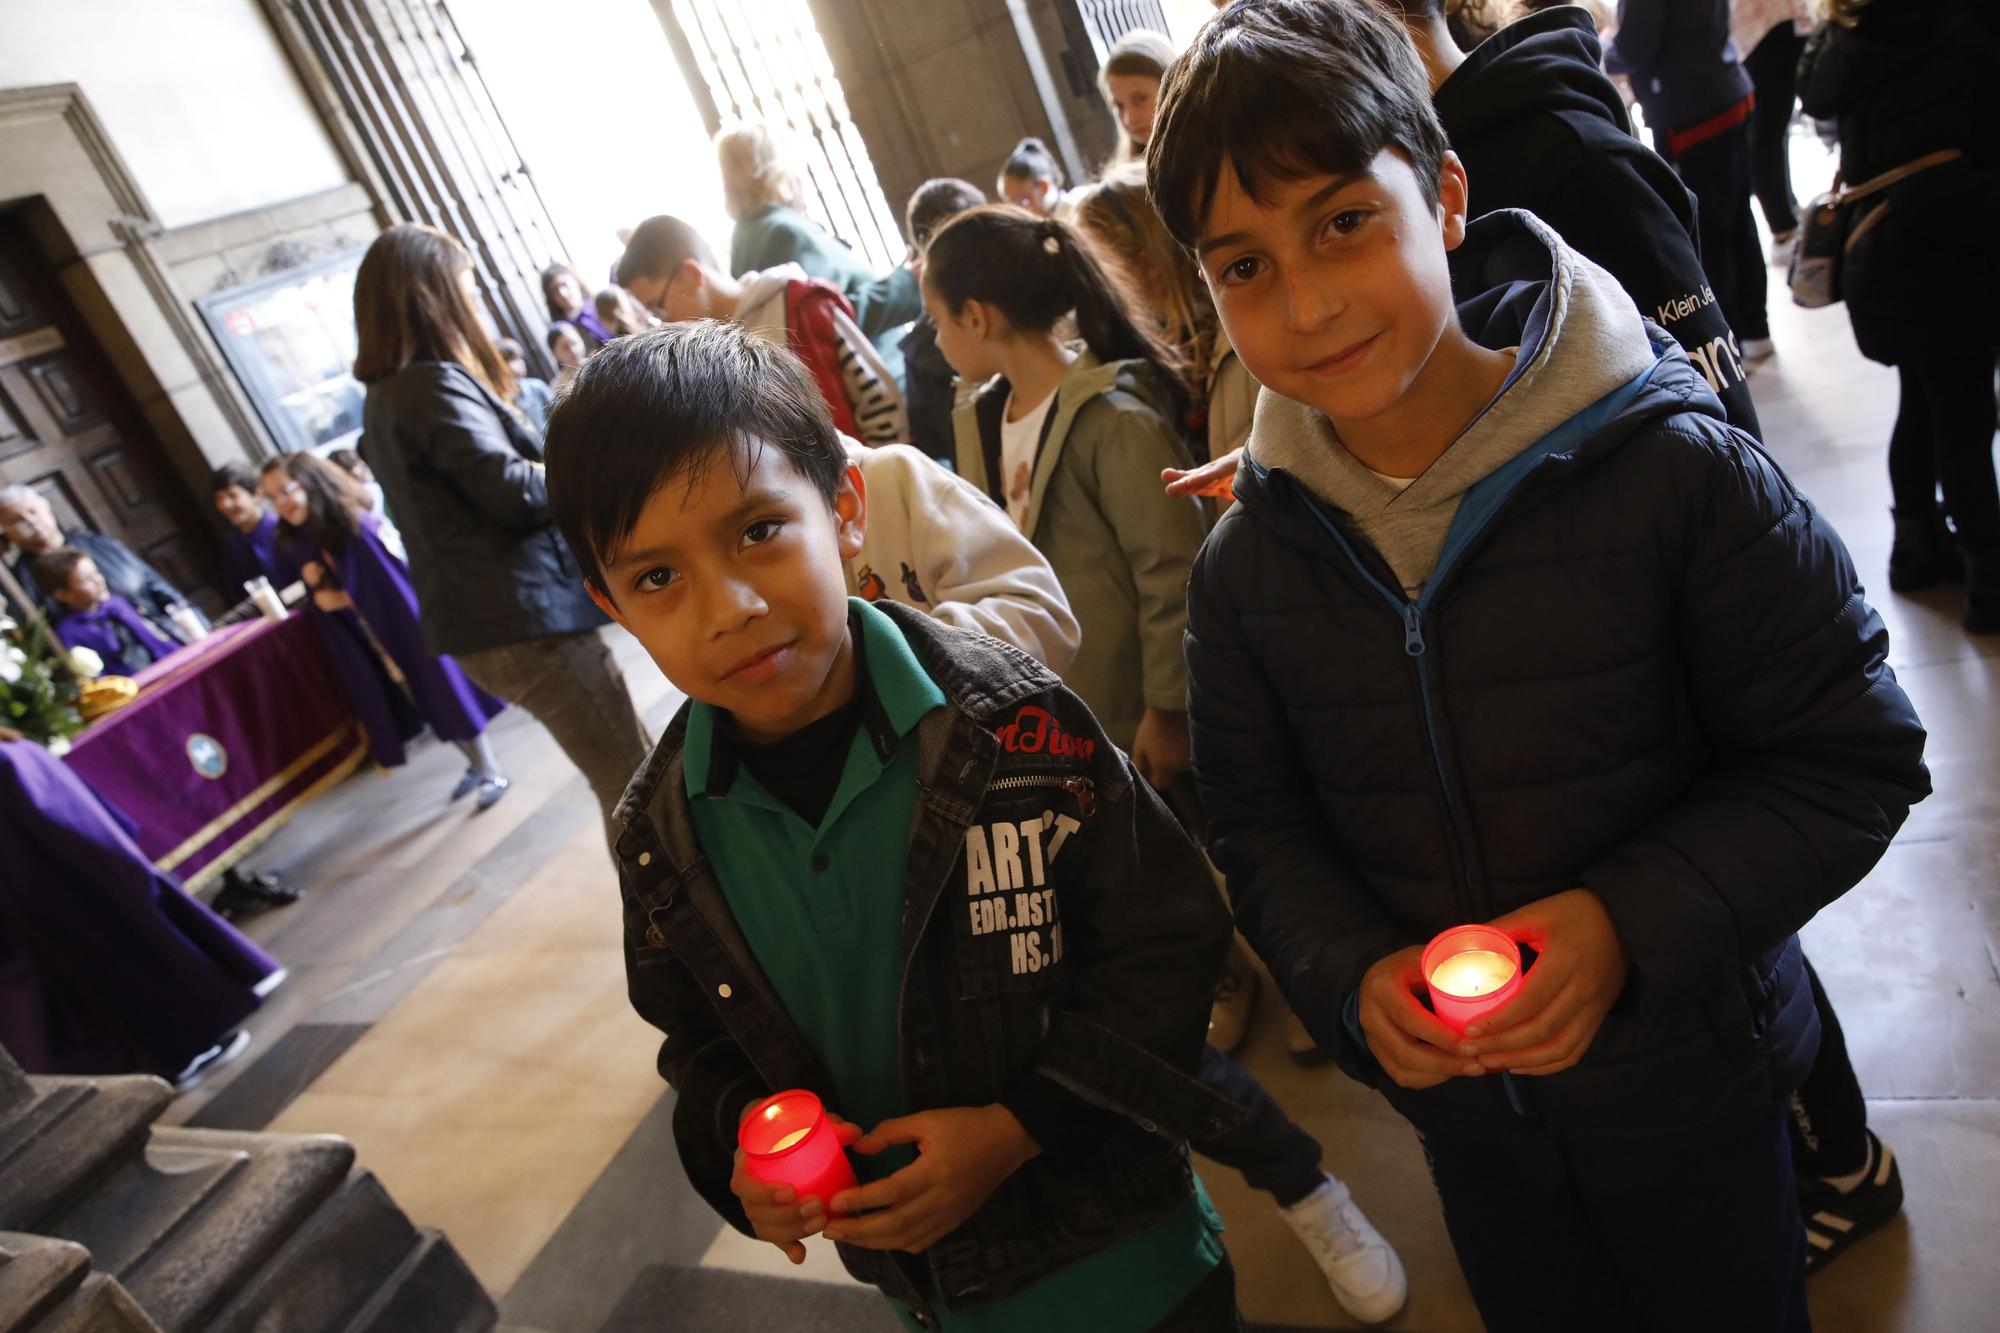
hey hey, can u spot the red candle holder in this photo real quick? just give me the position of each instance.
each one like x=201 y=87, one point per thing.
x=787 y=1139
x=1471 y=971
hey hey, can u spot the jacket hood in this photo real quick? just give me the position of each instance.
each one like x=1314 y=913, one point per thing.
x=1582 y=345
x=1549 y=62
x=760 y=290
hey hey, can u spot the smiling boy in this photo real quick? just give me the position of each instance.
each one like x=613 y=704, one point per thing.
x=1509 y=625
x=895 y=863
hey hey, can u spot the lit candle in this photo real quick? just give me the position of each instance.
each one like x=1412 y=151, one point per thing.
x=1472 y=971
x=787 y=1139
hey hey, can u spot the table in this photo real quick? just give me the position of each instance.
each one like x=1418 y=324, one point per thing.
x=226 y=741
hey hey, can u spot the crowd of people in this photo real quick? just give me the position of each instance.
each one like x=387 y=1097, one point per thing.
x=1258 y=455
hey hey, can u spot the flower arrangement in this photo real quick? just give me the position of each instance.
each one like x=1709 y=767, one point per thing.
x=38 y=689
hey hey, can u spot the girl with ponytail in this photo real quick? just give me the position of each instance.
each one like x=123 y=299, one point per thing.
x=1072 y=442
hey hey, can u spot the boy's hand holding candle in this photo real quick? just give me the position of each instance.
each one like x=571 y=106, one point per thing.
x=1414 y=1046
x=776 y=1212
x=1579 y=973
x=963 y=1155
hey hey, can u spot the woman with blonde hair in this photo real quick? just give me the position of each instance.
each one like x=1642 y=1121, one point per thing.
x=1158 y=272
x=497 y=587
x=764 y=192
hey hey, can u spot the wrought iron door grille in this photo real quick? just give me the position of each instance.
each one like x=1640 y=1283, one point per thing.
x=438 y=148
x=764 y=60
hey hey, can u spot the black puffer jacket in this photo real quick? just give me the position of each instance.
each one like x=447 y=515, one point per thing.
x=1641 y=664
x=1914 y=76
x=1539 y=126
x=464 y=478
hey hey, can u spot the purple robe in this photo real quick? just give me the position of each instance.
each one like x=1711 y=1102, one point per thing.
x=116 y=633
x=253 y=554
x=106 y=965
x=385 y=605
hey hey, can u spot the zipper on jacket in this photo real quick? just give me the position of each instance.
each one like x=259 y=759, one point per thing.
x=1083 y=789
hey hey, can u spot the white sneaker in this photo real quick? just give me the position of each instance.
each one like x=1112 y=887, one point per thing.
x=1754 y=350
x=1364 y=1272
x=1782 y=245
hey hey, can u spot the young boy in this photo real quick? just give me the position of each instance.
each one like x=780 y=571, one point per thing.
x=894 y=863
x=670 y=270
x=94 y=617
x=1508 y=625
x=250 y=548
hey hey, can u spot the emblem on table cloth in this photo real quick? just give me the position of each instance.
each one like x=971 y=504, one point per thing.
x=207 y=755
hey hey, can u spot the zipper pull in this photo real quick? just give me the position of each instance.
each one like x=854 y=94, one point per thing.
x=1413 y=630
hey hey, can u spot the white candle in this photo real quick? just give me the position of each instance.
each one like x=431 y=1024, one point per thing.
x=1475 y=972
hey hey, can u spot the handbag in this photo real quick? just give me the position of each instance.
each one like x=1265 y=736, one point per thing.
x=1832 y=227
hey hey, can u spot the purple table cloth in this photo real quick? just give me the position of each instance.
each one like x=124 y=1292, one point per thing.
x=106 y=966
x=226 y=740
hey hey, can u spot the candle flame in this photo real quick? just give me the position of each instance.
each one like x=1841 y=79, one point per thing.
x=1472 y=973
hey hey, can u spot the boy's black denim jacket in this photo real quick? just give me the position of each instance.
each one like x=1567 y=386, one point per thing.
x=1081 y=1001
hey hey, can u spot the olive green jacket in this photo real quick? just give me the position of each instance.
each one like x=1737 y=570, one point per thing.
x=1120 y=547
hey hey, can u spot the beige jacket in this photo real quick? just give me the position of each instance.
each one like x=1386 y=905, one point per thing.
x=936 y=544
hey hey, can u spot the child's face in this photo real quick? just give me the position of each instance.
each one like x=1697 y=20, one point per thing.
x=965 y=339
x=568 y=349
x=568 y=294
x=1132 y=100
x=287 y=497
x=1037 y=196
x=86 y=589
x=737 y=587
x=238 y=507
x=680 y=296
x=1335 y=294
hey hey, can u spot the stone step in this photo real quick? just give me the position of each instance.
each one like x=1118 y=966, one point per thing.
x=191 y=1219
x=431 y=1290
x=58 y=1140
x=356 y=1247
x=47 y=1286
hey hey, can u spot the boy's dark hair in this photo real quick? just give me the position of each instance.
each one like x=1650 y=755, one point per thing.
x=657 y=247
x=936 y=200
x=664 y=404
x=232 y=474
x=347 y=460
x=1285 y=90
x=1032 y=160
x=52 y=570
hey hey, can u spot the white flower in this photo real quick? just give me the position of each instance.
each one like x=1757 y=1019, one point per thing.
x=11 y=659
x=87 y=662
x=59 y=746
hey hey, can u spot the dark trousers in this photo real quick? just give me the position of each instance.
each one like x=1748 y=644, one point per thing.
x=1944 y=434
x=1774 y=73
x=1209 y=1308
x=1718 y=171
x=1270 y=1149
x=1558 y=1237
x=1829 y=1118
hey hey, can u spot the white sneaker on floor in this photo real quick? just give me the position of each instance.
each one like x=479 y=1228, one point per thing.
x=1364 y=1272
x=1782 y=244
x=1755 y=350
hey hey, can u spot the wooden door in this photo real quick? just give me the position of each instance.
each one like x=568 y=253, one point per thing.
x=69 y=430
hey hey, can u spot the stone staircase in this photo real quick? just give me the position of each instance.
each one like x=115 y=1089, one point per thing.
x=111 y=1225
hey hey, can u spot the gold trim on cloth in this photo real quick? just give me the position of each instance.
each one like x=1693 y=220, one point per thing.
x=264 y=792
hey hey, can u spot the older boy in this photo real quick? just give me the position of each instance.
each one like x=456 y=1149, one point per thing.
x=1510 y=626
x=892 y=862
x=670 y=270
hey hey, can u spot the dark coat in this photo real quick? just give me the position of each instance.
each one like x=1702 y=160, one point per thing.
x=1095 y=1050
x=464 y=477
x=1643 y=664
x=1682 y=65
x=1914 y=76
x=1539 y=127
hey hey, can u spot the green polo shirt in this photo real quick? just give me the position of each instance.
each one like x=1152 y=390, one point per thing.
x=822 y=909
